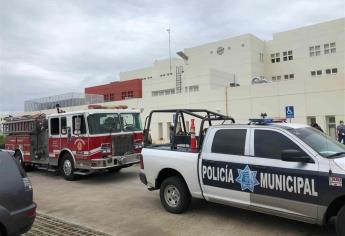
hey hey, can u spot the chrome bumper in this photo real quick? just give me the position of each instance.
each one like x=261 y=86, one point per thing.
x=114 y=161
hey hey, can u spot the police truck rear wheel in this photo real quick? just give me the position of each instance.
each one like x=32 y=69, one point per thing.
x=174 y=195
x=67 y=167
x=340 y=223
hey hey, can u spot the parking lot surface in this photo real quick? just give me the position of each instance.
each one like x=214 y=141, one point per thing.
x=118 y=204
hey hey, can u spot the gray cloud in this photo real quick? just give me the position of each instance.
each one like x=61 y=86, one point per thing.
x=53 y=47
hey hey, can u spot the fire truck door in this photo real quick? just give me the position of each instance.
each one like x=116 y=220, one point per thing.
x=54 y=139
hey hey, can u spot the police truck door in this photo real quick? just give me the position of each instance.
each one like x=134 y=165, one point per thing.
x=226 y=151
x=286 y=187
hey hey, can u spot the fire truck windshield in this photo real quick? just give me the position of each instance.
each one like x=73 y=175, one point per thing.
x=131 y=122
x=102 y=123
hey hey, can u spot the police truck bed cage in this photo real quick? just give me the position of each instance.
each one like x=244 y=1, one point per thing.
x=181 y=136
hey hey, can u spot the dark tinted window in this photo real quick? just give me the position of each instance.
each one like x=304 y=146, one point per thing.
x=54 y=126
x=229 y=141
x=270 y=144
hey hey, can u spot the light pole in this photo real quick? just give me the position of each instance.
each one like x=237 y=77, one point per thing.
x=169 y=49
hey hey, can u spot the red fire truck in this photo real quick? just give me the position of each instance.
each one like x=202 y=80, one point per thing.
x=76 y=143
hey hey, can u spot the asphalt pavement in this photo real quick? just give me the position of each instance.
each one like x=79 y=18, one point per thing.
x=118 y=204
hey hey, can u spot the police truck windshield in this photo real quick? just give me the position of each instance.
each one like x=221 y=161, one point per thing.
x=321 y=143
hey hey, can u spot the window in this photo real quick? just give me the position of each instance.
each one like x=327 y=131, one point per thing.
x=229 y=141
x=285 y=57
x=273 y=58
x=326 y=48
x=130 y=94
x=311 y=51
x=278 y=78
x=63 y=125
x=75 y=120
x=319 y=72
x=274 y=79
x=292 y=76
x=313 y=73
x=106 y=97
x=290 y=55
x=333 y=49
x=123 y=95
x=311 y=120
x=194 y=88
x=163 y=92
x=160 y=131
x=315 y=50
x=261 y=56
x=277 y=57
x=286 y=77
x=103 y=123
x=131 y=122
x=334 y=71
x=54 y=126
x=111 y=97
x=270 y=144
x=328 y=71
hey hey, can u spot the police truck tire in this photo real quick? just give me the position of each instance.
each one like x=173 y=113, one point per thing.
x=340 y=223
x=67 y=167
x=174 y=195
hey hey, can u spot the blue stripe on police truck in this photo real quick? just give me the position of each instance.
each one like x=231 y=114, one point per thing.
x=299 y=185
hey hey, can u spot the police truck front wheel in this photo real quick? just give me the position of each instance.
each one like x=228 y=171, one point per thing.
x=67 y=167
x=174 y=195
x=340 y=225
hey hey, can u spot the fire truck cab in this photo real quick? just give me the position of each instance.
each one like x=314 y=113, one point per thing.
x=77 y=143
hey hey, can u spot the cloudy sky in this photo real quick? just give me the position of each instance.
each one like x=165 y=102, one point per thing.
x=50 y=47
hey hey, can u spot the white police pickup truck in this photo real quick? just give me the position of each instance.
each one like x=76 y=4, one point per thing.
x=287 y=170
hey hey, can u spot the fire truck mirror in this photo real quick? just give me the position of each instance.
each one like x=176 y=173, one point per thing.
x=63 y=131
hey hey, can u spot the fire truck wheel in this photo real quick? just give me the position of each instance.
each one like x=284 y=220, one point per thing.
x=114 y=169
x=67 y=167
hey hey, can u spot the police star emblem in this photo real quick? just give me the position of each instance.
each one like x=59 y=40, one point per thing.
x=247 y=179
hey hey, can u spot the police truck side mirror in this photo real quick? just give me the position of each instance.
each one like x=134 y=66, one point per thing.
x=292 y=155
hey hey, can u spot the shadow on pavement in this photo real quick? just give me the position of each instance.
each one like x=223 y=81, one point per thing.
x=199 y=206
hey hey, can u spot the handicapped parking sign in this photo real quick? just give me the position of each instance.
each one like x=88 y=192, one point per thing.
x=289 y=112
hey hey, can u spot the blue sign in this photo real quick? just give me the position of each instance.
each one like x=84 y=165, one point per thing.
x=290 y=112
x=247 y=179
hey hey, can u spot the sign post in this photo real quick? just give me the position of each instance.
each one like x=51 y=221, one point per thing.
x=289 y=112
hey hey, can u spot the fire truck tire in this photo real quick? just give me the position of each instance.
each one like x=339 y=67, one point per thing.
x=114 y=169
x=67 y=167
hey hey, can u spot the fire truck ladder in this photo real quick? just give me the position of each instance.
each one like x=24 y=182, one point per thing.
x=179 y=71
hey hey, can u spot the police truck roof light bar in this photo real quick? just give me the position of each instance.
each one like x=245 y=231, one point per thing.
x=266 y=121
x=261 y=121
